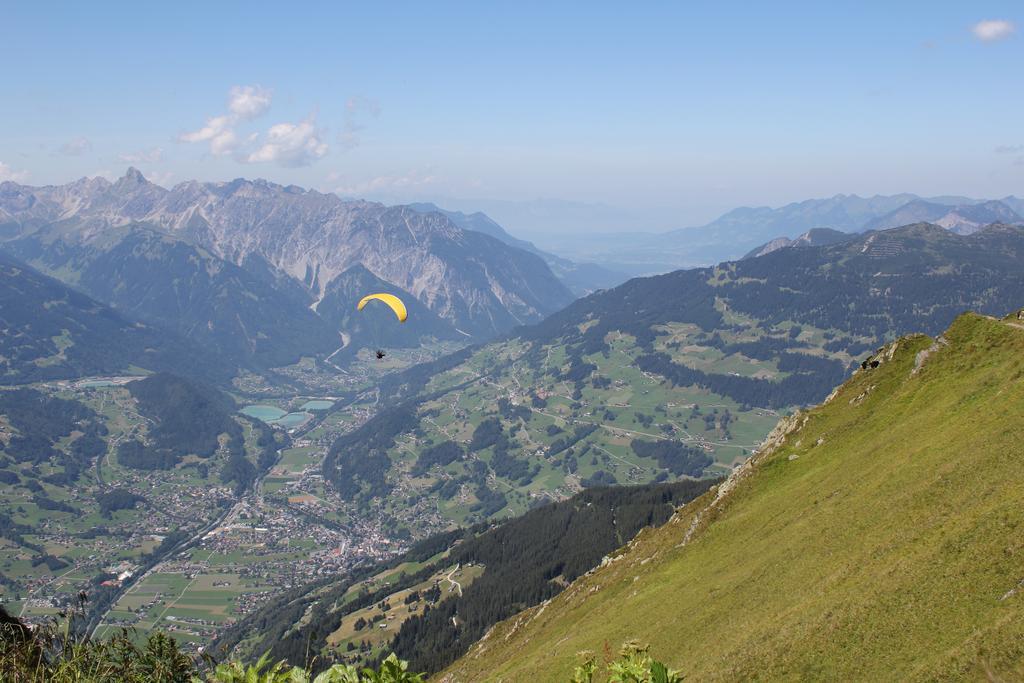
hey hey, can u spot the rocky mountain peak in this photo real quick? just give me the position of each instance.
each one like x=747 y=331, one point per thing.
x=476 y=282
x=132 y=176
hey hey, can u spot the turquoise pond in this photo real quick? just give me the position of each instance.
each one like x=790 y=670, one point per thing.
x=275 y=416
x=265 y=413
x=293 y=420
x=316 y=405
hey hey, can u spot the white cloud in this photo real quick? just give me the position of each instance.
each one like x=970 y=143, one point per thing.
x=76 y=147
x=143 y=156
x=8 y=173
x=219 y=131
x=991 y=30
x=286 y=144
x=215 y=126
x=291 y=145
x=245 y=102
x=248 y=101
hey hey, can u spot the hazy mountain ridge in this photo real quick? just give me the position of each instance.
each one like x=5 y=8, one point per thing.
x=920 y=266
x=963 y=219
x=740 y=230
x=475 y=281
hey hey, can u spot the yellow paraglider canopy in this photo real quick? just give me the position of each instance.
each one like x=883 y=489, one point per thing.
x=391 y=300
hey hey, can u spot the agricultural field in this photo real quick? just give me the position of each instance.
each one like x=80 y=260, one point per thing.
x=192 y=604
x=364 y=632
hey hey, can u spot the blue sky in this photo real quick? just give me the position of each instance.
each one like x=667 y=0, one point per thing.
x=675 y=111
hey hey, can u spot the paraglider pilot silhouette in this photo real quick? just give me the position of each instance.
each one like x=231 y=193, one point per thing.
x=392 y=302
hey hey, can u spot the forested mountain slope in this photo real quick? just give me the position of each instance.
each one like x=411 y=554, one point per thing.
x=49 y=331
x=243 y=315
x=874 y=537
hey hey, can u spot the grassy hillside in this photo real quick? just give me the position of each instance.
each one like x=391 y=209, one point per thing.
x=875 y=537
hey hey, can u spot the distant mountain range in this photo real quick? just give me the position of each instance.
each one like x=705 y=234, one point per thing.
x=741 y=230
x=962 y=219
x=244 y=265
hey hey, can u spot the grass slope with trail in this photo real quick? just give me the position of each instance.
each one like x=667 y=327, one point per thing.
x=877 y=536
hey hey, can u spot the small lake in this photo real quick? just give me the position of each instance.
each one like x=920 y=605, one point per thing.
x=293 y=420
x=316 y=405
x=277 y=417
x=265 y=413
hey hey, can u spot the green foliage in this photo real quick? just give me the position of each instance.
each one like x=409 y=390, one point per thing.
x=674 y=456
x=391 y=670
x=358 y=461
x=57 y=653
x=634 y=665
x=117 y=499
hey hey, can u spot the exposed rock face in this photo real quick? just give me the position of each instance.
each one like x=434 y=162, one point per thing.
x=479 y=284
x=963 y=219
x=966 y=220
x=816 y=237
